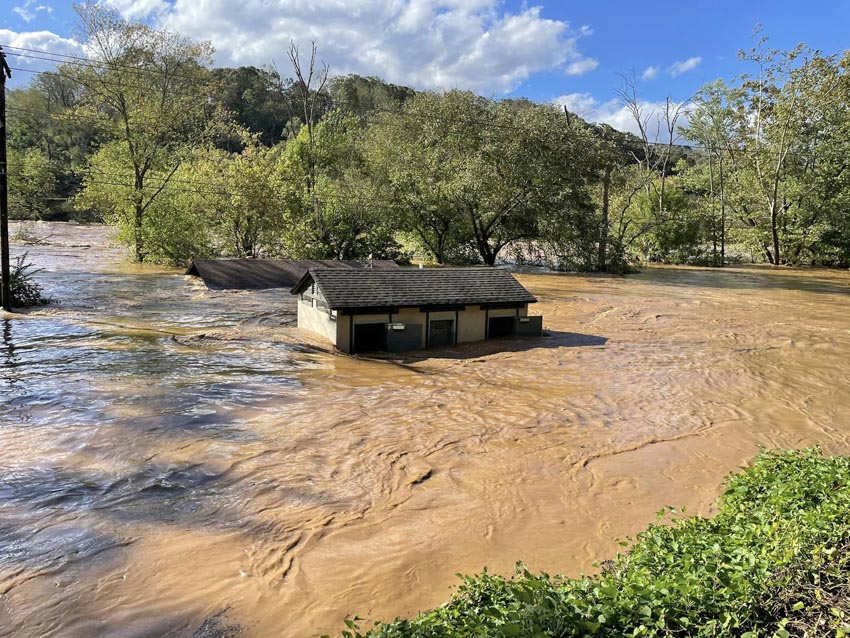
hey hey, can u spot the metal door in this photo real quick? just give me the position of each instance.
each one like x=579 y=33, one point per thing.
x=441 y=333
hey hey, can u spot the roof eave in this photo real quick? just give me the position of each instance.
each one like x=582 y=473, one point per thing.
x=302 y=283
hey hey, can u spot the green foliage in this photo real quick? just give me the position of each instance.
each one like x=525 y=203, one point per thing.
x=363 y=96
x=145 y=91
x=26 y=291
x=32 y=182
x=468 y=175
x=238 y=196
x=174 y=227
x=41 y=119
x=329 y=208
x=254 y=97
x=771 y=561
x=191 y=162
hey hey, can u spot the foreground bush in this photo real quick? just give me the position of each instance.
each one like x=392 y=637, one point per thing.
x=25 y=290
x=774 y=562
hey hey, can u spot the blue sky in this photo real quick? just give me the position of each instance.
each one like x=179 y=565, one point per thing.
x=635 y=35
x=571 y=52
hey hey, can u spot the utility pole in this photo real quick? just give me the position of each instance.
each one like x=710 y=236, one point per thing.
x=5 y=275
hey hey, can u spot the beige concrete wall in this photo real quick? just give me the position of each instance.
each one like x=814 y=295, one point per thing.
x=343 y=333
x=317 y=320
x=503 y=312
x=471 y=326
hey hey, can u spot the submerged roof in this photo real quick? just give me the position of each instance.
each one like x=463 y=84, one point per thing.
x=357 y=289
x=267 y=273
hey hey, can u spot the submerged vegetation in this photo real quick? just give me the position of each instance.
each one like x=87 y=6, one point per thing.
x=773 y=562
x=25 y=291
x=193 y=162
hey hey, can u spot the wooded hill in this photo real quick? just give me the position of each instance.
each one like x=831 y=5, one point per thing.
x=193 y=162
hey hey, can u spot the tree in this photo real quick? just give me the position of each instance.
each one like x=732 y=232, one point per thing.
x=413 y=167
x=465 y=171
x=241 y=194
x=363 y=96
x=147 y=82
x=712 y=124
x=329 y=208
x=659 y=134
x=253 y=95
x=41 y=118
x=32 y=183
x=174 y=226
x=613 y=152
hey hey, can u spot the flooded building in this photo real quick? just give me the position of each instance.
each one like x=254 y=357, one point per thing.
x=409 y=309
x=257 y=274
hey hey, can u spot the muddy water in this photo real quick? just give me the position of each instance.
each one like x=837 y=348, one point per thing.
x=181 y=462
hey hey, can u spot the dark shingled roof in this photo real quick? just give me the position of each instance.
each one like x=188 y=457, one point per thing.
x=353 y=289
x=267 y=273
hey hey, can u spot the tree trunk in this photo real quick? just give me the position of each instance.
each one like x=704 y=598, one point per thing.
x=137 y=232
x=482 y=240
x=774 y=231
x=711 y=199
x=722 y=215
x=488 y=255
x=602 y=256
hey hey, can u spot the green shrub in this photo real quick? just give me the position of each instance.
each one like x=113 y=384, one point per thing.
x=25 y=291
x=771 y=562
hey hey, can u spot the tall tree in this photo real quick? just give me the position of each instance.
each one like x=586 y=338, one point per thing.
x=466 y=170
x=784 y=102
x=147 y=82
x=712 y=124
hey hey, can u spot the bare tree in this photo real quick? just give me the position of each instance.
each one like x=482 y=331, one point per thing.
x=657 y=150
x=310 y=82
x=658 y=133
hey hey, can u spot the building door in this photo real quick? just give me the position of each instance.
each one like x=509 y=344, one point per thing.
x=500 y=327
x=369 y=337
x=441 y=333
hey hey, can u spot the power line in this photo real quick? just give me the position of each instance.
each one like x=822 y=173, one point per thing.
x=89 y=62
x=155 y=72
x=400 y=112
x=112 y=66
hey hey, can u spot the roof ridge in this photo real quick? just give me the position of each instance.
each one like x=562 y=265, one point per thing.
x=363 y=288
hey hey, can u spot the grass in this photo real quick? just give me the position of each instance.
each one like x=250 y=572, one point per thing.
x=773 y=562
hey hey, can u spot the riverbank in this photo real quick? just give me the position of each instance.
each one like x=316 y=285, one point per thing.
x=154 y=478
x=773 y=561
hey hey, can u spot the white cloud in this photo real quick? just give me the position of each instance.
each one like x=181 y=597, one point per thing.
x=139 y=9
x=650 y=73
x=45 y=41
x=580 y=67
x=679 y=67
x=28 y=12
x=582 y=104
x=615 y=113
x=474 y=44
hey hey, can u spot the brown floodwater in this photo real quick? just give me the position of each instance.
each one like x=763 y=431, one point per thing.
x=181 y=462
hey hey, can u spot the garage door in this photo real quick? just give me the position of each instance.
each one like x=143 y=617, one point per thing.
x=369 y=337
x=500 y=327
x=442 y=333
